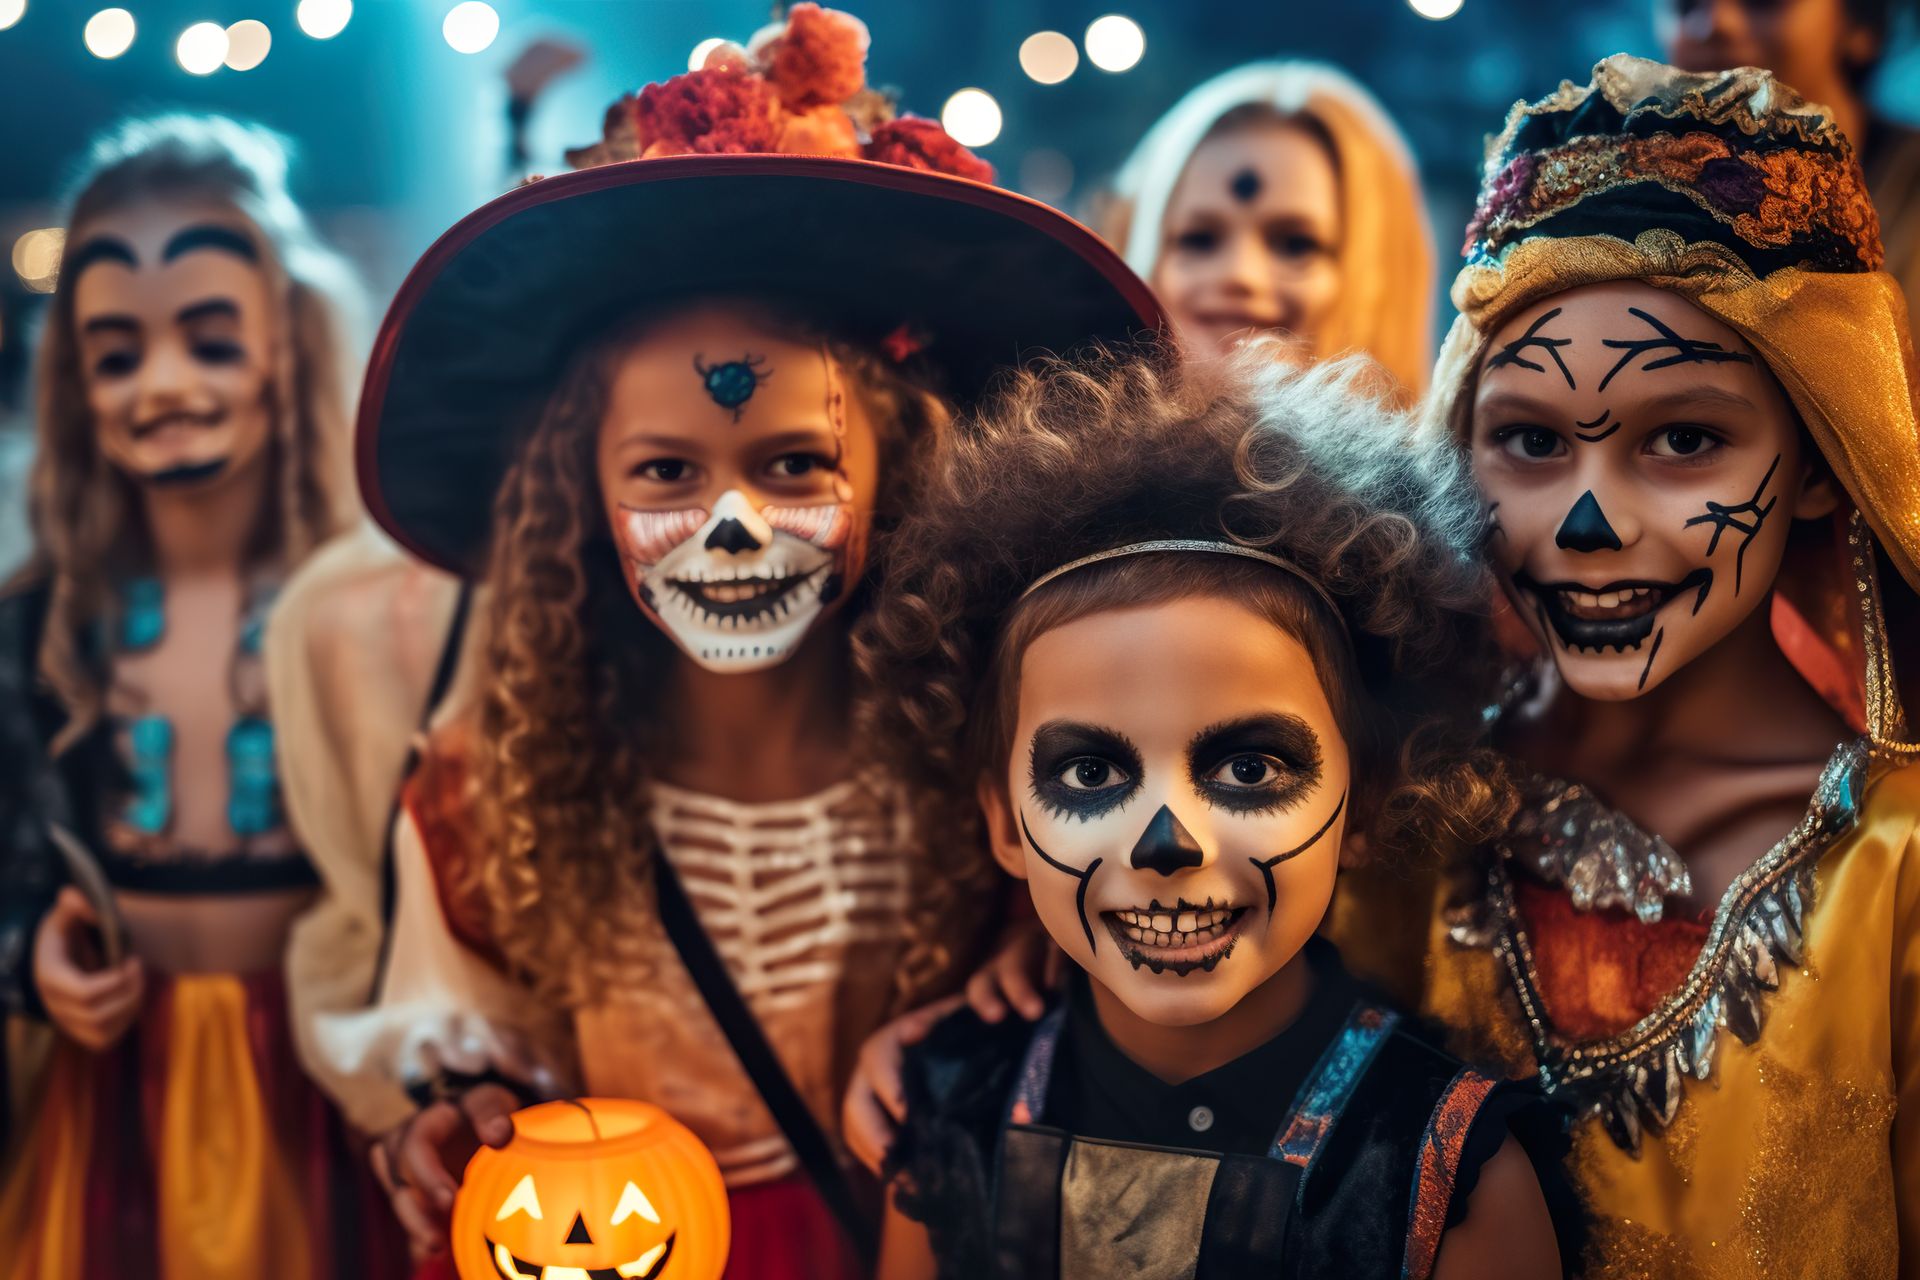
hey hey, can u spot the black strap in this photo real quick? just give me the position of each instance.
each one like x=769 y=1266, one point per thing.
x=442 y=679
x=749 y=1043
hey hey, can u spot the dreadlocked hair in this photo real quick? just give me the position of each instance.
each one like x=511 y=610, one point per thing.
x=1077 y=457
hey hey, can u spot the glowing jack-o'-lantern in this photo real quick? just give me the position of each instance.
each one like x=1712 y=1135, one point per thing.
x=593 y=1189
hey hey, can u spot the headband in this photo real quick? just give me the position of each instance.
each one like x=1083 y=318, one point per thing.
x=1192 y=544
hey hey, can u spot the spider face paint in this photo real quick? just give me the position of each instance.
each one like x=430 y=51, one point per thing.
x=1638 y=528
x=1176 y=800
x=736 y=537
x=175 y=324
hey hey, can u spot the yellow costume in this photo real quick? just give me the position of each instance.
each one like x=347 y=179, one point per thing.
x=1747 y=1087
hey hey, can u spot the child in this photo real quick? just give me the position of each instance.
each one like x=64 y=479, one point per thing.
x=1184 y=662
x=1687 y=391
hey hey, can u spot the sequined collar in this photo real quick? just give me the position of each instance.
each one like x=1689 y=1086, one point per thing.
x=1758 y=928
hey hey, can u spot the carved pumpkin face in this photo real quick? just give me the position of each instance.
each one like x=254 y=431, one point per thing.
x=593 y=1189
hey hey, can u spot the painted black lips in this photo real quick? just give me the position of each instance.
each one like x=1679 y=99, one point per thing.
x=772 y=594
x=1608 y=633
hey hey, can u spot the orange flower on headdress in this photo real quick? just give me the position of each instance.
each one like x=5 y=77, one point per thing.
x=707 y=112
x=821 y=57
x=919 y=143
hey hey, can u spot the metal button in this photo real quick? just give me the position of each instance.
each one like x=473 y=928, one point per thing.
x=1200 y=1119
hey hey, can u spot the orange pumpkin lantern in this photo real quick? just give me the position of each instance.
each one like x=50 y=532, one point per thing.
x=592 y=1189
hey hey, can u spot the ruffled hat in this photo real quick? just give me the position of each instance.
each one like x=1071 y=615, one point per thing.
x=1733 y=192
x=773 y=172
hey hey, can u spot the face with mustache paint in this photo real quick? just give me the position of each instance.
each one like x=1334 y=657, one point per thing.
x=174 y=323
x=739 y=472
x=1641 y=469
x=1175 y=799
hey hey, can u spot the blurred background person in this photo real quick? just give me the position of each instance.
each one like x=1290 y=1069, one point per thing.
x=1829 y=50
x=1280 y=197
x=192 y=409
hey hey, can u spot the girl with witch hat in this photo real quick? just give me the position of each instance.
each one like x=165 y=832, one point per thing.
x=1688 y=393
x=667 y=408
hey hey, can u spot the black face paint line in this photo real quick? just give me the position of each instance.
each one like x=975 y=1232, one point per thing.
x=208 y=235
x=1586 y=528
x=100 y=249
x=732 y=384
x=1647 y=670
x=1245 y=186
x=186 y=475
x=1685 y=350
x=1267 y=865
x=1511 y=354
x=1586 y=432
x=1723 y=518
x=1626 y=626
x=1084 y=877
x=1166 y=846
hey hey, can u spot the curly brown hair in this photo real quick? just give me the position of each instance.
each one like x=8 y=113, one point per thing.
x=1080 y=457
x=569 y=714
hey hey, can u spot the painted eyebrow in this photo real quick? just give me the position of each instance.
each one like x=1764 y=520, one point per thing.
x=101 y=249
x=209 y=236
x=110 y=324
x=223 y=307
x=1290 y=733
x=1057 y=737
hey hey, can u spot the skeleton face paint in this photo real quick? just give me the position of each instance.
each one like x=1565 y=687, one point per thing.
x=175 y=323
x=737 y=491
x=1252 y=239
x=1176 y=799
x=1645 y=468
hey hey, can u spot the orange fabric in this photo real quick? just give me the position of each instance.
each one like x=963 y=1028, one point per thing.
x=42 y=1219
x=229 y=1203
x=1603 y=971
x=1440 y=1152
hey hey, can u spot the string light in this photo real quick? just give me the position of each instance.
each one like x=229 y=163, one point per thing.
x=247 y=43
x=36 y=258
x=323 y=19
x=972 y=117
x=1437 y=10
x=1048 y=57
x=201 y=48
x=1115 y=43
x=109 y=33
x=470 y=27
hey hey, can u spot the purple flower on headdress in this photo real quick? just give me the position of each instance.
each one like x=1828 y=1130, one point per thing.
x=1732 y=185
x=1502 y=192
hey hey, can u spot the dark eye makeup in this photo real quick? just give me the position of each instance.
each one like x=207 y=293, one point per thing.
x=1081 y=770
x=1256 y=764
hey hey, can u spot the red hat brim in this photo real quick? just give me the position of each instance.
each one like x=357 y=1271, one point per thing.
x=484 y=324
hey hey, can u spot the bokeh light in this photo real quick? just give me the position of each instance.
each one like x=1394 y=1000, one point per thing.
x=36 y=258
x=1435 y=9
x=248 y=41
x=1048 y=56
x=698 y=58
x=324 y=19
x=109 y=33
x=1115 y=43
x=470 y=27
x=202 y=48
x=972 y=117
x=11 y=11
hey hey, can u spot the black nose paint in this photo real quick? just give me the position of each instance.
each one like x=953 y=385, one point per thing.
x=578 y=1235
x=731 y=536
x=1166 y=846
x=1585 y=528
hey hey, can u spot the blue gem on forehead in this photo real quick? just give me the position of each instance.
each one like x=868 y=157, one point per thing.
x=732 y=384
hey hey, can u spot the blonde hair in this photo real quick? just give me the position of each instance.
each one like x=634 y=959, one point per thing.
x=79 y=504
x=1386 y=246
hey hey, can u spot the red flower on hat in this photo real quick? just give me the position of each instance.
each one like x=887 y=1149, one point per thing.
x=920 y=143
x=821 y=57
x=707 y=112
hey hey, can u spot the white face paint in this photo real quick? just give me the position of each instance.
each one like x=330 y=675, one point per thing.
x=736 y=588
